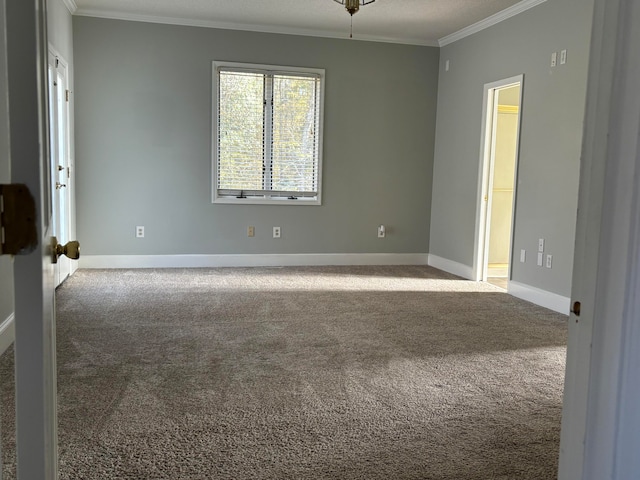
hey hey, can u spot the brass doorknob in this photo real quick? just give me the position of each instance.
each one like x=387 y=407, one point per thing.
x=71 y=250
x=576 y=309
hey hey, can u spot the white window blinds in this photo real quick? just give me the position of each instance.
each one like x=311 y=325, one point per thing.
x=268 y=134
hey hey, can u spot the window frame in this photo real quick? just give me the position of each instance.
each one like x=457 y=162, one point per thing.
x=267 y=199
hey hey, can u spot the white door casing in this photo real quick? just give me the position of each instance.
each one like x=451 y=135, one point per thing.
x=485 y=173
x=36 y=423
x=601 y=421
x=4 y=134
x=60 y=161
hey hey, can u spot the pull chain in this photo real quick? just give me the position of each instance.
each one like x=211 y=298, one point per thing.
x=351 y=31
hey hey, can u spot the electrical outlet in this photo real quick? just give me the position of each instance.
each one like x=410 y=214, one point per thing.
x=523 y=256
x=276 y=232
x=539 y=262
x=139 y=232
x=563 y=57
x=549 y=260
x=541 y=245
x=251 y=232
x=381 y=231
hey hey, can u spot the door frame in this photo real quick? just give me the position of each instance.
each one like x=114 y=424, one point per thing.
x=35 y=353
x=62 y=230
x=600 y=419
x=485 y=171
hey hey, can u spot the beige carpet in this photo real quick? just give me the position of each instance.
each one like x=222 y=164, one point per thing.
x=301 y=373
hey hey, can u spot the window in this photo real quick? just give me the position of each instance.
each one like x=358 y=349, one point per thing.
x=267 y=137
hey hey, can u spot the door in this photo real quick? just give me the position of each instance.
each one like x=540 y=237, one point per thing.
x=26 y=55
x=600 y=420
x=60 y=165
x=498 y=181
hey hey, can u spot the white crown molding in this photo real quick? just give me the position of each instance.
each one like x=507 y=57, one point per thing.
x=71 y=6
x=251 y=260
x=516 y=9
x=190 y=22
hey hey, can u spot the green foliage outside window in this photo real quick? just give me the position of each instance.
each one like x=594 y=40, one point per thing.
x=267 y=131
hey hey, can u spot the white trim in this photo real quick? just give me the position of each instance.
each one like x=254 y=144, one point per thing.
x=190 y=22
x=494 y=19
x=35 y=349
x=487 y=147
x=53 y=51
x=71 y=6
x=266 y=70
x=250 y=260
x=544 y=298
x=455 y=268
x=610 y=171
x=7 y=333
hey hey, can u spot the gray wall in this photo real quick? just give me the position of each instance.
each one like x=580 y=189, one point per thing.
x=60 y=30
x=143 y=143
x=60 y=37
x=551 y=133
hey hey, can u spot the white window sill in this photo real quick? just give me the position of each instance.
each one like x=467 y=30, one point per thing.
x=266 y=201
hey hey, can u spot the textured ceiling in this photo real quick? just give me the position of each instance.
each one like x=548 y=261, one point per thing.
x=421 y=22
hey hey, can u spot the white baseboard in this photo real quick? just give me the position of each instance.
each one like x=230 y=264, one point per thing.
x=7 y=333
x=544 y=298
x=455 y=268
x=539 y=297
x=499 y=272
x=257 y=260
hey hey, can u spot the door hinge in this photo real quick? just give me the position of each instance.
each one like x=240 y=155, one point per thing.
x=66 y=95
x=18 y=232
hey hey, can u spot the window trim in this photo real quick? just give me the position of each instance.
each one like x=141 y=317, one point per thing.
x=273 y=199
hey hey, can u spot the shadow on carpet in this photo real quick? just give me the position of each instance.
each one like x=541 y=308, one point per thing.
x=300 y=373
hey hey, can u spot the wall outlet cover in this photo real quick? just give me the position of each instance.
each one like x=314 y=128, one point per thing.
x=563 y=57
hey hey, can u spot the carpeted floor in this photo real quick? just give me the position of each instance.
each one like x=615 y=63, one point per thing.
x=301 y=373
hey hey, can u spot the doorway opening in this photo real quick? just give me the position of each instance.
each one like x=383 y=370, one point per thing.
x=499 y=168
x=60 y=167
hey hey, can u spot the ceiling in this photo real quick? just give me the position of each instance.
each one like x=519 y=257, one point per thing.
x=420 y=22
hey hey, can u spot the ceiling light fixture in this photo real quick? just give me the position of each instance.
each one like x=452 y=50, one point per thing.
x=352 y=6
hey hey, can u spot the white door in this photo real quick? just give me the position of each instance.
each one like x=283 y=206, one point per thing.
x=600 y=420
x=26 y=53
x=60 y=168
